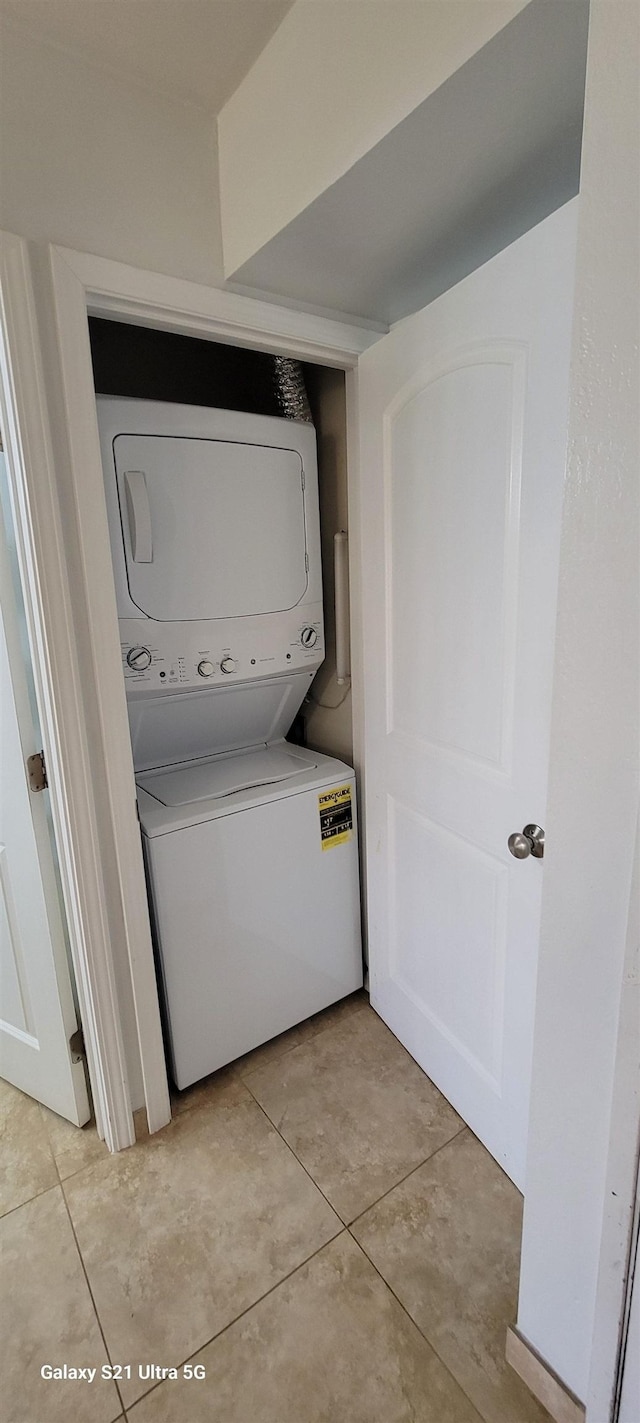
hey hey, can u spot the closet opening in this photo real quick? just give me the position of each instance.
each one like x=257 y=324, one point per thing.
x=224 y=533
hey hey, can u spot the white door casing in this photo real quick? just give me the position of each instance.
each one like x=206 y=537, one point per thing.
x=37 y=1012
x=48 y=604
x=463 y=415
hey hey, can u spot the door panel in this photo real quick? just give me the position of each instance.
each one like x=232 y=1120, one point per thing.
x=15 y=992
x=463 y=434
x=460 y=891
x=464 y=558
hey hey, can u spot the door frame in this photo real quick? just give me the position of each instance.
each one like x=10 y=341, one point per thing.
x=38 y=531
x=74 y=286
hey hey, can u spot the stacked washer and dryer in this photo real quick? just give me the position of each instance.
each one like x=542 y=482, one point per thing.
x=250 y=842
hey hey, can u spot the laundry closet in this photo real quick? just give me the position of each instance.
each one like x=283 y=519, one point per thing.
x=218 y=502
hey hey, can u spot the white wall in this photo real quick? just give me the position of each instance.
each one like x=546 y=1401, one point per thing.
x=335 y=78
x=593 y=794
x=105 y=166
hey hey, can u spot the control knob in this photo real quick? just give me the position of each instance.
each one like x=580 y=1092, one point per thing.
x=139 y=658
x=308 y=637
x=228 y=664
x=206 y=669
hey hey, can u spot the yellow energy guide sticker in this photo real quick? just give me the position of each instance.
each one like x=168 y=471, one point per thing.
x=336 y=817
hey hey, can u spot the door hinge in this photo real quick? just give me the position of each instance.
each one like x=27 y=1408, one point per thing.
x=37 y=772
x=76 y=1045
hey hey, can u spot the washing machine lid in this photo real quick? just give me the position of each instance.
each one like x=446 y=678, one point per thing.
x=211 y=528
x=220 y=777
x=177 y=727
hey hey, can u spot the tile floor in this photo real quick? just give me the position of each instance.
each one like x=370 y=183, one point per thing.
x=316 y=1230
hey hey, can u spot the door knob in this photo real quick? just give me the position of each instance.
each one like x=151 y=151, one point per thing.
x=530 y=842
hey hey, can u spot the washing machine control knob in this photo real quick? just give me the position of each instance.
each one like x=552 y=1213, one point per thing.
x=206 y=669
x=139 y=658
x=308 y=637
x=228 y=664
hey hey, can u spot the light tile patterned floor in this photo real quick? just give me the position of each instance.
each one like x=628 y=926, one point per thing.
x=316 y=1230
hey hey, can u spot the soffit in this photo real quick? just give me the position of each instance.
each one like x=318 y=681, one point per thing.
x=487 y=156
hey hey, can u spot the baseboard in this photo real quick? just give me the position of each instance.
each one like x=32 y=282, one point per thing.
x=541 y=1381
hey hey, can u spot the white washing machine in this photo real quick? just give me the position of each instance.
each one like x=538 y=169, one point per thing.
x=250 y=842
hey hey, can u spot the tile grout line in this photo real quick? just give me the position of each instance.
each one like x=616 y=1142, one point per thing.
x=372 y=1262
x=415 y=1323
x=297 y=1158
x=91 y=1296
x=347 y=1224
x=344 y=1227
x=347 y=1228
x=12 y=1209
x=362 y=1247
x=85 y=1164
x=344 y=1231
x=53 y=1184
x=278 y=1058
x=410 y=1173
x=55 y=1162
x=433 y=1346
x=312 y=1038
x=214 y=1337
x=60 y=1183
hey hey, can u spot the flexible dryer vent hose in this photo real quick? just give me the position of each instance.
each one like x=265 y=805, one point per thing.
x=290 y=389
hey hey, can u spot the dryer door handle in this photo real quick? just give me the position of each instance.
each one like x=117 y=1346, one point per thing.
x=139 y=516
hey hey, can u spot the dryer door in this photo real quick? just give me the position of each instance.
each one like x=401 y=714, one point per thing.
x=212 y=529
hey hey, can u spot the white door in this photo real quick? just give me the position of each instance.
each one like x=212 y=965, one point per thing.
x=37 y=1014
x=463 y=411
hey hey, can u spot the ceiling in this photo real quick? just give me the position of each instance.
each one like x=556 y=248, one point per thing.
x=197 y=51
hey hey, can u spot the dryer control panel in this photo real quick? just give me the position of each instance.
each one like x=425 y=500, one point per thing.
x=166 y=657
